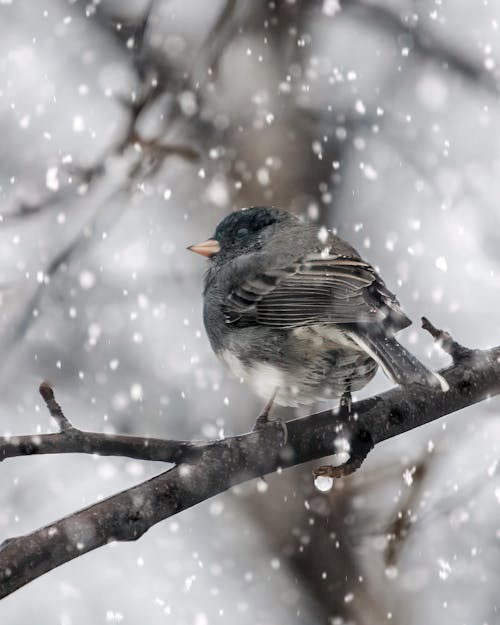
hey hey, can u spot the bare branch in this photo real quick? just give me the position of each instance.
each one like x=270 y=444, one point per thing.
x=54 y=408
x=445 y=340
x=427 y=45
x=211 y=468
x=401 y=525
x=73 y=441
x=218 y=37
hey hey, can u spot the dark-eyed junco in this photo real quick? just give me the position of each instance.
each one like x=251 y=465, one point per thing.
x=294 y=310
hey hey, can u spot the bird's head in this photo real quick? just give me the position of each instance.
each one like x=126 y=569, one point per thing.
x=242 y=232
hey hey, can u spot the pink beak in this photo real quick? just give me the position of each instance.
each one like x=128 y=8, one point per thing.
x=207 y=248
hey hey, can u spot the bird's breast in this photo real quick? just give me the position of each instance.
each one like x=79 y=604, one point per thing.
x=233 y=363
x=264 y=377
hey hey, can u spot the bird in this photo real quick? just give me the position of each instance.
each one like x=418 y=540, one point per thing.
x=294 y=310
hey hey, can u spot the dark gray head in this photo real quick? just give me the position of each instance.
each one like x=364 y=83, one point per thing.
x=242 y=232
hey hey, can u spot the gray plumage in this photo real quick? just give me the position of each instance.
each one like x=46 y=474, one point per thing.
x=290 y=306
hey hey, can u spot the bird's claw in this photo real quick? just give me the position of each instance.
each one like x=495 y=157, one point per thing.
x=361 y=445
x=327 y=470
x=262 y=422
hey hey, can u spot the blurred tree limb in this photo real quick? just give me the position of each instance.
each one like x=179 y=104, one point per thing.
x=205 y=469
x=424 y=42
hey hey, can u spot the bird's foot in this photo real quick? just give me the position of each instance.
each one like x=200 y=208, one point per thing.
x=361 y=445
x=261 y=421
x=264 y=421
x=345 y=406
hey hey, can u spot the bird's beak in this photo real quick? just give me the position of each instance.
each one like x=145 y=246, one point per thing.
x=207 y=248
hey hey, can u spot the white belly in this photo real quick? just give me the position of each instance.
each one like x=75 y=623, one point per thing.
x=264 y=378
x=307 y=376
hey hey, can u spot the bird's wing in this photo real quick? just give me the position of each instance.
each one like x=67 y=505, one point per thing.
x=331 y=289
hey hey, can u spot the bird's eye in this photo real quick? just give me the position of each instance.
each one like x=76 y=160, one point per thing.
x=241 y=232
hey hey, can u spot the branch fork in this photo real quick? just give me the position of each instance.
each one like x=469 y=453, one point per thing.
x=54 y=408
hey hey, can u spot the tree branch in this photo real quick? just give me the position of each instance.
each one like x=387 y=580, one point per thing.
x=76 y=441
x=54 y=408
x=216 y=466
x=71 y=440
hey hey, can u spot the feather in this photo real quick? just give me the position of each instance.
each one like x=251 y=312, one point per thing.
x=335 y=289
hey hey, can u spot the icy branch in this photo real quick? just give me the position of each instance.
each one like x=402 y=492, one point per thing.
x=204 y=470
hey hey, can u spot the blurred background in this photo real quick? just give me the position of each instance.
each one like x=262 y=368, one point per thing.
x=129 y=128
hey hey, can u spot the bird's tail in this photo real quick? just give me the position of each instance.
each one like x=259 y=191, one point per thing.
x=398 y=364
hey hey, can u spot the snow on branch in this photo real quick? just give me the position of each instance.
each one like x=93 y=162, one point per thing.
x=203 y=470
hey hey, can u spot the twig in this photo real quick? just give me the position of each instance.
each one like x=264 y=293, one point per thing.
x=54 y=408
x=218 y=38
x=425 y=43
x=399 y=528
x=445 y=340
